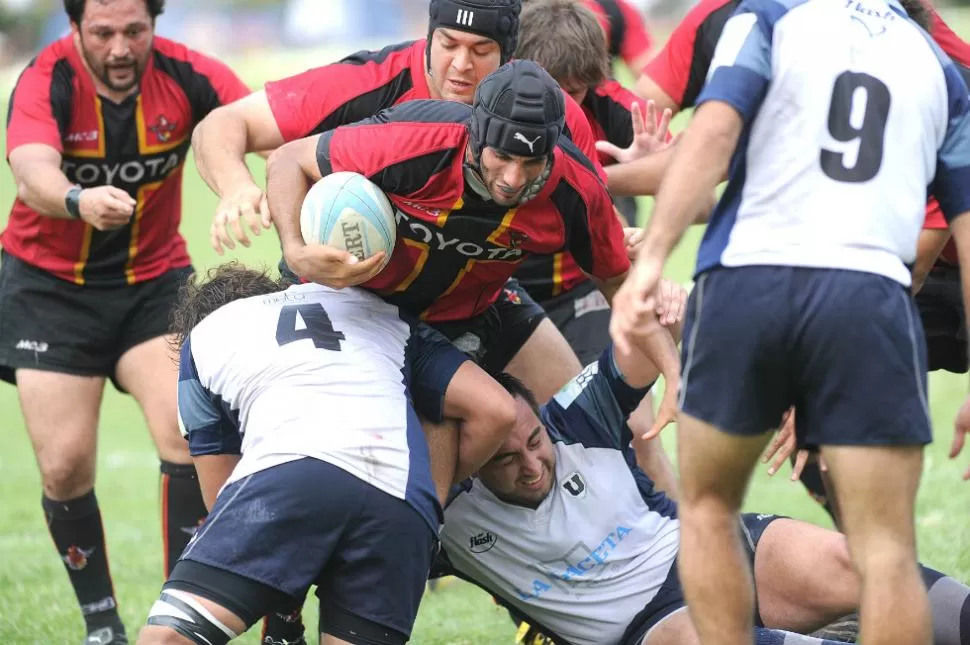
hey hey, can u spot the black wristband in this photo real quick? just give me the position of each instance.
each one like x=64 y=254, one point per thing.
x=72 y=202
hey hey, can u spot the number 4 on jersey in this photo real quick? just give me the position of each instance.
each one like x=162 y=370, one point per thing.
x=316 y=327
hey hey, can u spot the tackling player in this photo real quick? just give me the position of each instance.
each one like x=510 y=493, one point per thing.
x=254 y=426
x=97 y=134
x=477 y=190
x=564 y=527
x=770 y=271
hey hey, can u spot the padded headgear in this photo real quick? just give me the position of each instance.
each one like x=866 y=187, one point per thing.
x=495 y=19
x=518 y=109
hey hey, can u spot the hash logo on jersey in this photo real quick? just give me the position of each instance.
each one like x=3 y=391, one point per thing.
x=163 y=128
x=482 y=542
x=575 y=485
x=76 y=558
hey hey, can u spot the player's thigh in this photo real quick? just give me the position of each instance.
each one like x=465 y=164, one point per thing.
x=860 y=361
x=61 y=415
x=200 y=618
x=735 y=363
x=147 y=367
x=876 y=488
x=371 y=588
x=582 y=315
x=300 y=507
x=677 y=629
x=662 y=619
x=802 y=573
x=940 y=305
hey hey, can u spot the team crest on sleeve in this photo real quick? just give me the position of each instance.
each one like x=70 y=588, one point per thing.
x=575 y=484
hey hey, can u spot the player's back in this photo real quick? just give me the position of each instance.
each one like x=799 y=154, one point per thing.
x=833 y=168
x=312 y=371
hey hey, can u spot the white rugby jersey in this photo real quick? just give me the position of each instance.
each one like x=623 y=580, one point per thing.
x=314 y=372
x=598 y=548
x=851 y=114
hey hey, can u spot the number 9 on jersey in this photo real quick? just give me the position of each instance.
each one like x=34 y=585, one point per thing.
x=347 y=211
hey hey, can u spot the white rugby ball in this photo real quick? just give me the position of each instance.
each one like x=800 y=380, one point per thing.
x=348 y=211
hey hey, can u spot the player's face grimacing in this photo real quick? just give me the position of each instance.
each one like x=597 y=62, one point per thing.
x=115 y=38
x=458 y=61
x=507 y=176
x=523 y=470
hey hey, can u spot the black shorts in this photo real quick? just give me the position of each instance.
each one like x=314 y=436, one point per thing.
x=47 y=323
x=497 y=334
x=273 y=534
x=670 y=599
x=940 y=304
x=582 y=314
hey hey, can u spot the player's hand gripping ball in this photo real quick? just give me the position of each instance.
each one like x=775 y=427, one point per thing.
x=347 y=211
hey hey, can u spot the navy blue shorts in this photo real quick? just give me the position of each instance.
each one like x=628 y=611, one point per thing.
x=308 y=522
x=670 y=598
x=846 y=348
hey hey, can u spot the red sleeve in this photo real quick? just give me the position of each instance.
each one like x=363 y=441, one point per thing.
x=636 y=39
x=348 y=91
x=31 y=117
x=597 y=244
x=954 y=46
x=227 y=85
x=934 y=216
x=671 y=69
x=581 y=134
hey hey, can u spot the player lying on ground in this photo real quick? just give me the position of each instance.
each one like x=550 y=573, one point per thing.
x=314 y=434
x=563 y=526
x=97 y=134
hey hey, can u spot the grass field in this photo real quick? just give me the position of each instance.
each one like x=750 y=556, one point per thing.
x=37 y=604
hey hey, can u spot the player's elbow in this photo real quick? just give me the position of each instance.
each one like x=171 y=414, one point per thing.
x=484 y=428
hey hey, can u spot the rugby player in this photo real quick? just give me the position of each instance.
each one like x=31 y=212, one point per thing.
x=572 y=536
x=313 y=437
x=770 y=270
x=97 y=133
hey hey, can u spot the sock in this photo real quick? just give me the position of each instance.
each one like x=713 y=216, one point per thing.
x=75 y=526
x=774 y=637
x=811 y=479
x=182 y=509
x=950 y=602
x=279 y=628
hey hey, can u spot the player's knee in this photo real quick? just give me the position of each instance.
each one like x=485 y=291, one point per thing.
x=178 y=617
x=66 y=475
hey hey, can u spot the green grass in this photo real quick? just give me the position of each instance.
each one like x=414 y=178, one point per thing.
x=37 y=604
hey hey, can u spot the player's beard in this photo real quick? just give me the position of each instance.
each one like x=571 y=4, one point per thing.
x=102 y=70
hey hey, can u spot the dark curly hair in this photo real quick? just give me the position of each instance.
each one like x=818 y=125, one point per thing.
x=222 y=284
x=75 y=9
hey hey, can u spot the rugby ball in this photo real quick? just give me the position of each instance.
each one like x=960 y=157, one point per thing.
x=346 y=210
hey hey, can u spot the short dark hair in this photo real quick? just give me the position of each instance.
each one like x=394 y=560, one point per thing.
x=222 y=284
x=517 y=388
x=566 y=39
x=75 y=9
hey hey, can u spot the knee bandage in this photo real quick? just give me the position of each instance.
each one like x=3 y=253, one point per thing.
x=180 y=611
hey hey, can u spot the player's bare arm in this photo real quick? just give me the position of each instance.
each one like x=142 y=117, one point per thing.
x=701 y=161
x=213 y=472
x=648 y=89
x=930 y=245
x=290 y=171
x=639 y=177
x=960 y=228
x=485 y=413
x=42 y=185
x=220 y=143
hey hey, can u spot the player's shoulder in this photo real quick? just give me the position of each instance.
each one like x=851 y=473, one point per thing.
x=431 y=111
x=397 y=55
x=170 y=54
x=577 y=168
x=56 y=58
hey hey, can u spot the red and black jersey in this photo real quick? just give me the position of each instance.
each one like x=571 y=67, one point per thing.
x=138 y=145
x=626 y=32
x=367 y=82
x=607 y=107
x=455 y=250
